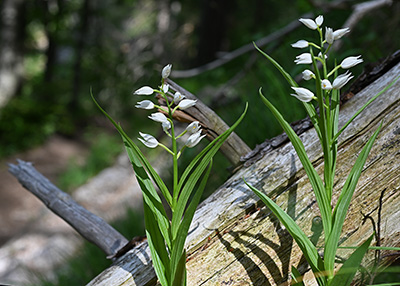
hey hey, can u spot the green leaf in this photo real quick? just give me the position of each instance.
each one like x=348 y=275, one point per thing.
x=136 y=152
x=179 y=241
x=204 y=157
x=346 y=273
x=180 y=274
x=307 y=105
x=156 y=243
x=307 y=247
x=315 y=180
x=340 y=211
x=297 y=278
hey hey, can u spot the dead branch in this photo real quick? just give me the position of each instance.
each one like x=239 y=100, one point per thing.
x=88 y=225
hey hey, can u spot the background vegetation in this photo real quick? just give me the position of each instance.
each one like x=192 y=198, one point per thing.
x=62 y=49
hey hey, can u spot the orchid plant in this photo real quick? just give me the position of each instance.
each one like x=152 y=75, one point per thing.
x=166 y=236
x=326 y=97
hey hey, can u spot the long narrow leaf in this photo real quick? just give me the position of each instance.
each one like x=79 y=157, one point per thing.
x=297 y=278
x=205 y=150
x=136 y=151
x=346 y=273
x=315 y=180
x=179 y=242
x=158 y=252
x=307 y=105
x=307 y=247
x=187 y=189
x=342 y=206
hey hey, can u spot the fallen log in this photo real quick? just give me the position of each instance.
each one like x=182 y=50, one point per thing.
x=233 y=240
x=88 y=225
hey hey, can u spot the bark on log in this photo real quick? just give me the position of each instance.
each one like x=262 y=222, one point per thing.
x=90 y=226
x=233 y=148
x=233 y=242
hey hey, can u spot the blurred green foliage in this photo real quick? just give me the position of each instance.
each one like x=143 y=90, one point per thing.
x=103 y=152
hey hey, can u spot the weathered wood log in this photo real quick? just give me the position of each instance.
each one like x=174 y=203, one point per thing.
x=234 y=242
x=233 y=148
x=87 y=224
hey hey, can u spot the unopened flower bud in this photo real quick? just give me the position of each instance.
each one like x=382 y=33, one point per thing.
x=166 y=71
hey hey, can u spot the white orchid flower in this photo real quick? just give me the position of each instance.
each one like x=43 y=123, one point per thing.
x=145 y=104
x=166 y=125
x=319 y=20
x=148 y=140
x=329 y=37
x=165 y=88
x=303 y=94
x=311 y=24
x=340 y=33
x=194 y=139
x=342 y=80
x=145 y=90
x=350 y=62
x=178 y=97
x=300 y=44
x=307 y=74
x=166 y=71
x=158 y=117
x=326 y=84
x=193 y=127
x=304 y=58
x=186 y=103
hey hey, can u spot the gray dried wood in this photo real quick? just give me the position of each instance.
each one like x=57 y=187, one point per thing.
x=90 y=226
x=234 y=242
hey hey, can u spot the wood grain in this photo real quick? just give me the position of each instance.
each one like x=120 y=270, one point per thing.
x=235 y=241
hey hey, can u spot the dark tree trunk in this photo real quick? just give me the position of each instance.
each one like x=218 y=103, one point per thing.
x=12 y=33
x=214 y=23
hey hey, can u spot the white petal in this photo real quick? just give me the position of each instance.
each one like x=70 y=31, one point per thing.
x=350 y=62
x=145 y=104
x=319 y=20
x=148 y=140
x=193 y=127
x=309 y=23
x=166 y=125
x=300 y=44
x=342 y=80
x=186 y=103
x=326 y=84
x=340 y=33
x=307 y=74
x=194 y=139
x=303 y=94
x=304 y=58
x=145 y=90
x=165 y=88
x=158 y=117
x=166 y=71
x=329 y=35
x=178 y=97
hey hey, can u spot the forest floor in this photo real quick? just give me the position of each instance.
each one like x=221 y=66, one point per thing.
x=18 y=207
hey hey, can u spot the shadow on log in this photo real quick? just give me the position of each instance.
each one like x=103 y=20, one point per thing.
x=235 y=241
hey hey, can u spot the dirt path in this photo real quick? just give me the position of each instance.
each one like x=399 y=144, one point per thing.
x=17 y=206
